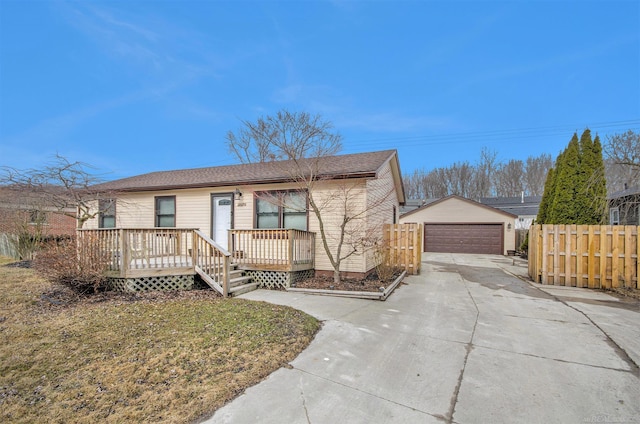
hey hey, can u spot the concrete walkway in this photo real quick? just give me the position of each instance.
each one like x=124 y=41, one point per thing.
x=467 y=341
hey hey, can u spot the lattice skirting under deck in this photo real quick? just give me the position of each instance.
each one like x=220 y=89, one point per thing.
x=278 y=279
x=161 y=283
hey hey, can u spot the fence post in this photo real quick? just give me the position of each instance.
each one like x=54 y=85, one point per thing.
x=290 y=236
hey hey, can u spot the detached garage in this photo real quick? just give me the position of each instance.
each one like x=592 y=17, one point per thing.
x=454 y=224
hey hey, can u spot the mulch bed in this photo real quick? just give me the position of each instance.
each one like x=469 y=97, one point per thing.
x=370 y=284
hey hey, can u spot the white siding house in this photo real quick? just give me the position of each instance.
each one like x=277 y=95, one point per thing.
x=368 y=185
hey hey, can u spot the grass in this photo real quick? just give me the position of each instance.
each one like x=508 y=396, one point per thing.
x=172 y=359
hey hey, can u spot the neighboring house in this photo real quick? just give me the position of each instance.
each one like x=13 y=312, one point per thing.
x=412 y=204
x=22 y=214
x=624 y=206
x=458 y=225
x=524 y=207
x=256 y=210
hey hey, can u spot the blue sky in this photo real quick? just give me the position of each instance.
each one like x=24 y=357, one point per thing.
x=138 y=86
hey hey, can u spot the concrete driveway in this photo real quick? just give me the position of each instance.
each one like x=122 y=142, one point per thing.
x=467 y=341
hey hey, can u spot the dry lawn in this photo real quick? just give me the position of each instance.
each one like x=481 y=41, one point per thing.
x=165 y=358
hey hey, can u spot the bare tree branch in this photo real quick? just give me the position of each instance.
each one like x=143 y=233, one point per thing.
x=302 y=144
x=66 y=186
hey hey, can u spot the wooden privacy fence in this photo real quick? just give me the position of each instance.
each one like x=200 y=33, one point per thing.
x=405 y=245
x=594 y=256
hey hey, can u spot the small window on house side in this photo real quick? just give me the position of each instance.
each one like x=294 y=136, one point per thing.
x=107 y=216
x=37 y=217
x=614 y=216
x=165 y=211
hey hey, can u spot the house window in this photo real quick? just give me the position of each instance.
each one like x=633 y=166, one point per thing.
x=614 y=216
x=37 y=217
x=395 y=216
x=166 y=211
x=107 y=216
x=281 y=210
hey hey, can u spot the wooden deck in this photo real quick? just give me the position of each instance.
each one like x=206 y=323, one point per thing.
x=149 y=252
x=273 y=250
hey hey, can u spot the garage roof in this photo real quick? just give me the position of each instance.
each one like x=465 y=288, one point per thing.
x=453 y=196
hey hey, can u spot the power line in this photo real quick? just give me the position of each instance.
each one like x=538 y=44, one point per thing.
x=518 y=133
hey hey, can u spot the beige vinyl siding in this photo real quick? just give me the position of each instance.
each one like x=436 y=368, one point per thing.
x=455 y=210
x=193 y=210
x=382 y=198
x=333 y=197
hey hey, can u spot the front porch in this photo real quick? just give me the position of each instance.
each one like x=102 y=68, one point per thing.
x=148 y=253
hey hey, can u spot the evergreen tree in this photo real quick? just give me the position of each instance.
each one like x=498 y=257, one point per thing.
x=547 y=198
x=575 y=190
x=585 y=168
x=564 y=209
x=595 y=183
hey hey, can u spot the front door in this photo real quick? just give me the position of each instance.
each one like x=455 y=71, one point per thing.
x=222 y=210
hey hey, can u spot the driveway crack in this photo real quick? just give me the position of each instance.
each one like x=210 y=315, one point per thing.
x=304 y=402
x=634 y=368
x=469 y=348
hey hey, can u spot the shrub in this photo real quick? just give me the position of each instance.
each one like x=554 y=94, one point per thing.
x=525 y=243
x=386 y=268
x=62 y=263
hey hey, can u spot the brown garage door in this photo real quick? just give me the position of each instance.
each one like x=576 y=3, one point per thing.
x=463 y=238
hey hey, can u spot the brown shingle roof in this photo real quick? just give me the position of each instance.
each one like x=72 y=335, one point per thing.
x=352 y=165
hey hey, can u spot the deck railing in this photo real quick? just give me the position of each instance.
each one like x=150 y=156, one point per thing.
x=277 y=250
x=212 y=262
x=146 y=252
x=134 y=252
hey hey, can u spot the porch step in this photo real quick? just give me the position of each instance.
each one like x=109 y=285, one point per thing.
x=244 y=288
x=238 y=281
x=233 y=273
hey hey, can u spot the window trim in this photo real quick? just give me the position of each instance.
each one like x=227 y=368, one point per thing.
x=102 y=214
x=157 y=215
x=264 y=195
x=38 y=217
x=615 y=210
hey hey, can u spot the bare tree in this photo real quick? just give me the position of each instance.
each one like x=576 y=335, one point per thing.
x=414 y=184
x=304 y=144
x=286 y=136
x=484 y=180
x=63 y=186
x=509 y=181
x=535 y=173
x=622 y=153
x=461 y=176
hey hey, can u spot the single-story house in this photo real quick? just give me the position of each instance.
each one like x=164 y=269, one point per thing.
x=459 y=225
x=524 y=207
x=412 y=204
x=254 y=213
x=624 y=206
